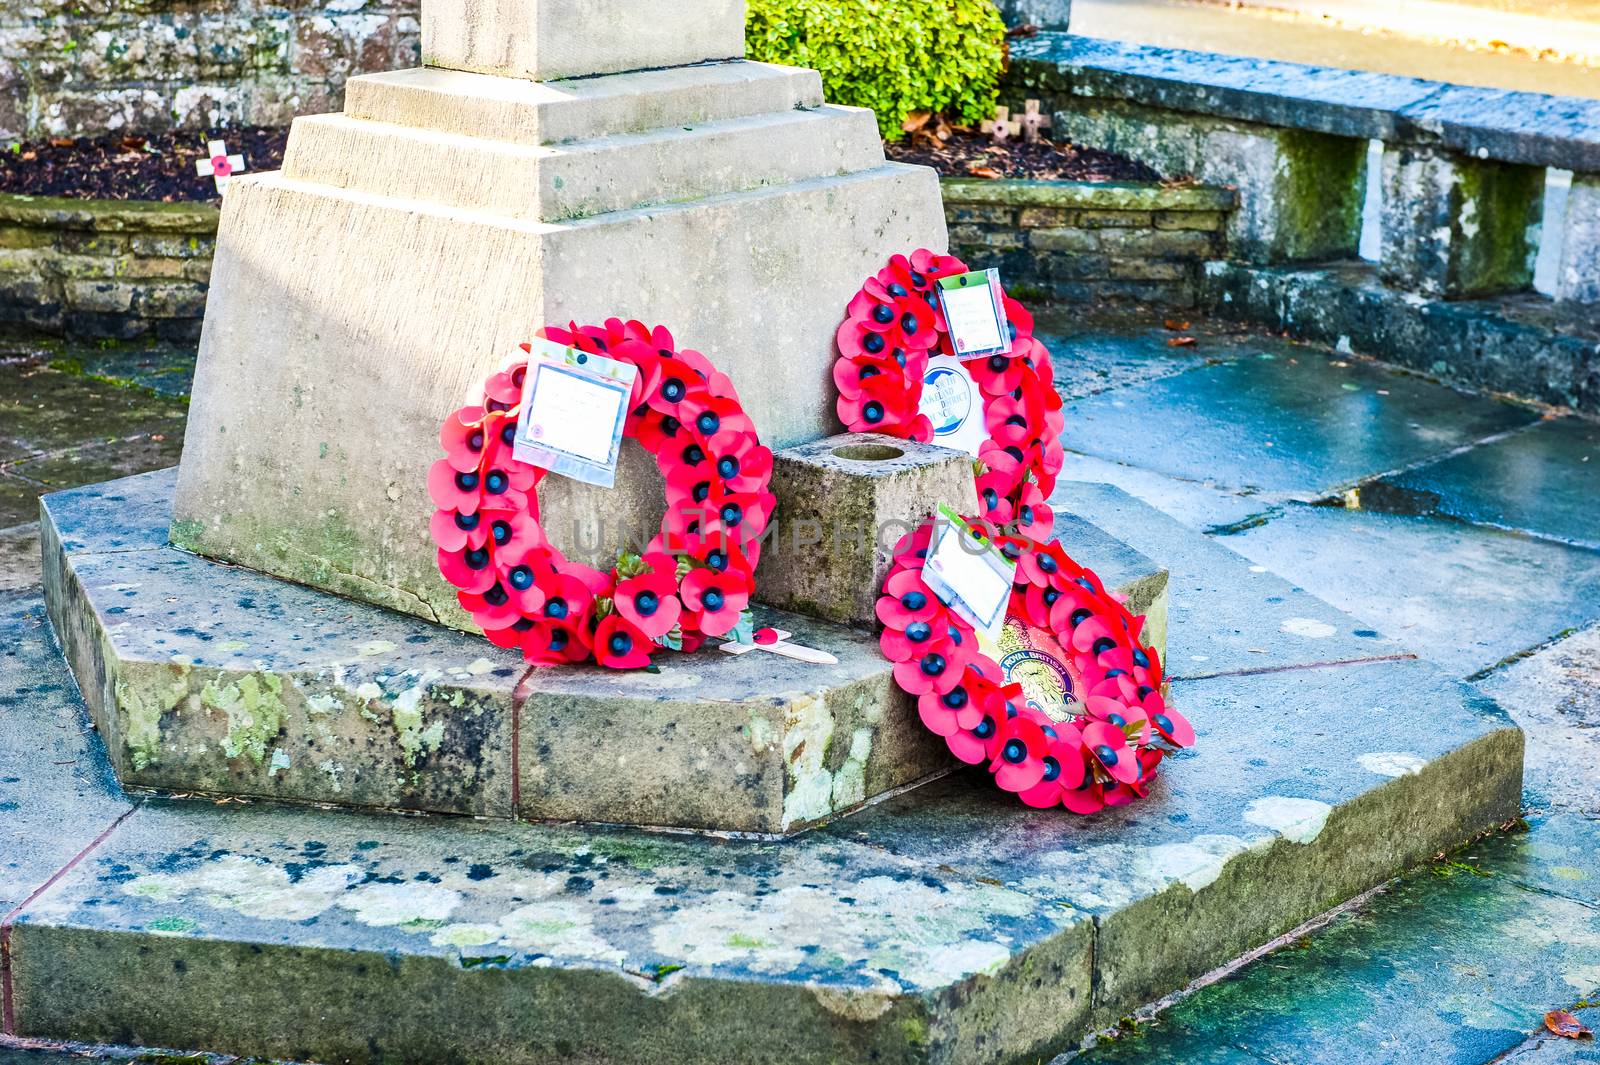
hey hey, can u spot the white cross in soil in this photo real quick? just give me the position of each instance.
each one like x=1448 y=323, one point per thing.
x=221 y=166
x=1002 y=127
x=1033 y=122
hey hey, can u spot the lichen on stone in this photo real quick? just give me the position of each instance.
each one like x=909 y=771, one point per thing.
x=254 y=706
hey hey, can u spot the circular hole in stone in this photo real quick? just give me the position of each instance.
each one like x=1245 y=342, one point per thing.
x=868 y=452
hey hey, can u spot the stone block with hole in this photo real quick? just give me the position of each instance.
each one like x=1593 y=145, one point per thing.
x=843 y=502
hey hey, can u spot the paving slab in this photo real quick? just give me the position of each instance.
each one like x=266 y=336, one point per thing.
x=1560 y=855
x=1331 y=793
x=19 y=502
x=157 y=449
x=1197 y=504
x=1294 y=426
x=19 y=559
x=57 y=792
x=43 y=410
x=1554 y=694
x=1456 y=964
x=1544 y=481
x=989 y=933
x=1464 y=597
x=1227 y=615
x=1092 y=351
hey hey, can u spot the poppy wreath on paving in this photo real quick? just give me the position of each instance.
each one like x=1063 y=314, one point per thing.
x=693 y=580
x=1105 y=751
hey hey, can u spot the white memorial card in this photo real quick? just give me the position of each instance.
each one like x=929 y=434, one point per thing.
x=968 y=575
x=974 y=308
x=574 y=408
x=953 y=403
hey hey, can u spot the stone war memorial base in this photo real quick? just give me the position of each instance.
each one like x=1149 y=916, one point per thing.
x=944 y=924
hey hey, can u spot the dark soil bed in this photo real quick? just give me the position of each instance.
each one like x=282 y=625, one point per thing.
x=159 y=166
x=971 y=154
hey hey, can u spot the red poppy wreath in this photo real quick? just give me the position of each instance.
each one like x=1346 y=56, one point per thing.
x=1105 y=749
x=696 y=576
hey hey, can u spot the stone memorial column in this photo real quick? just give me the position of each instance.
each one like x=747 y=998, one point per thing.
x=556 y=160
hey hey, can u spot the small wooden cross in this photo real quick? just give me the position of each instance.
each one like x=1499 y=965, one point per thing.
x=221 y=166
x=1002 y=127
x=1033 y=121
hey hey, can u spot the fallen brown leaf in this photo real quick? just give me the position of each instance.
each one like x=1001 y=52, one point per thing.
x=915 y=121
x=62 y=142
x=1175 y=325
x=983 y=171
x=1566 y=1025
x=1182 y=342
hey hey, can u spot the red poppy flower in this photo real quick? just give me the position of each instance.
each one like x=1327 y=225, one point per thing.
x=713 y=601
x=1064 y=767
x=994 y=495
x=906 y=599
x=453 y=489
x=455 y=531
x=709 y=414
x=981 y=742
x=948 y=713
x=619 y=644
x=1034 y=517
x=1019 y=765
x=1109 y=748
x=1173 y=727
x=851 y=375
x=650 y=600
x=739 y=460
x=938 y=670
x=471 y=569
x=462 y=437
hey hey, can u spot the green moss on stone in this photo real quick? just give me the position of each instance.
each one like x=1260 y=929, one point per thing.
x=1498 y=213
x=254 y=706
x=1321 y=186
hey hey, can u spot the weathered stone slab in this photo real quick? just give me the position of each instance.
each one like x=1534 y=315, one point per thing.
x=950 y=926
x=1528 y=128
x=57 y=792
x=1491 y=485
x=544 y=40
x=1345 y=103
x=582 y=178
x=843 y=503
x=326 y=507
x=1457 y=226
x=533 y=113
x=215 y=679
x=1050 y=15
x=1464 y=597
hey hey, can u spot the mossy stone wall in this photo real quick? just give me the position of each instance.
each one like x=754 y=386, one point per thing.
x=87 y=268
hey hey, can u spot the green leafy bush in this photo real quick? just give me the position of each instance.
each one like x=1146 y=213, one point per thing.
x=894 y=56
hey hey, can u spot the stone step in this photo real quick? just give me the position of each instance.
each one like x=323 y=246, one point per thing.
x=580 y=179
x=217 y=680
x=947 y=924
x=534 y=112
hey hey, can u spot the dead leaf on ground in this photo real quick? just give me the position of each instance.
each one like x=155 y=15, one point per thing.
x=1175 y=325
x=983 y=171
x=915 y=121
x=62 y=142
x=1182 y=342
x=1566 y=1025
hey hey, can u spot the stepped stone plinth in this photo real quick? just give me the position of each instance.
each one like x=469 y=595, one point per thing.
x=553 y=162
x=212 y=679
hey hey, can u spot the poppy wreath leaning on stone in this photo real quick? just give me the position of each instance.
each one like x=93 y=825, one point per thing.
x=696 y=576
x=1106 y=752
x=891 y=328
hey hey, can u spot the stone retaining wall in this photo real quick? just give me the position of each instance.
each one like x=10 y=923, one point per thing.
x=73 y=67
x=1084 y=241
x=105 y=269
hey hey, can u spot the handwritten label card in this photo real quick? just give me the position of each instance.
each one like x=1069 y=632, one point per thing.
x=573 y=412
x=968 y=575
x=974 y=307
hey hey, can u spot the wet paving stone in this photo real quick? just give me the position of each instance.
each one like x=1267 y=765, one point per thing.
x=1094 y=352
x=57 y=792
x=1198 y=505
x=161 y=448
x=43 y=410
x=19 y=502
x=1227 y=615
x=1554 y=694
x=1544 y=480
x=19 y=560
x=1464 y=597
x=1293 y=426
x=1456 y=964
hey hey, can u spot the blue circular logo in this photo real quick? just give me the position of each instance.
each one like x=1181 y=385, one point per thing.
x=946 y=400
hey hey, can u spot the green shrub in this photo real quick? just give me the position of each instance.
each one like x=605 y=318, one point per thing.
x=894 y=56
